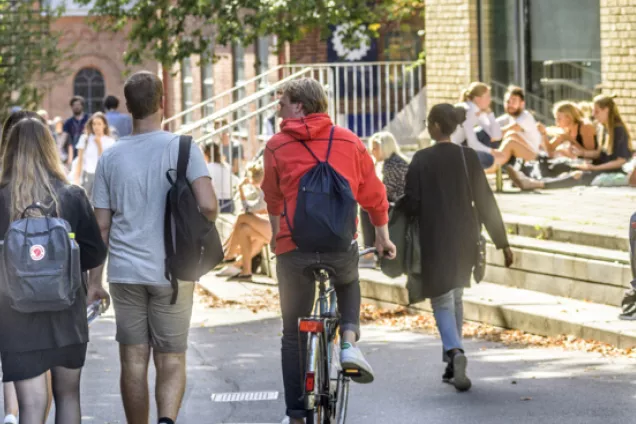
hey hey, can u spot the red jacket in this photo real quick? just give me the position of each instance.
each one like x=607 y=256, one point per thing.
x=286 y=161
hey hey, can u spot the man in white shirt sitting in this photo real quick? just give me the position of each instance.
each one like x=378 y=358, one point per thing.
x=521 y=137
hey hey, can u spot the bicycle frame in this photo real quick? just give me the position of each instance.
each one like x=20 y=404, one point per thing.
x=325 y=313
x=326 y=384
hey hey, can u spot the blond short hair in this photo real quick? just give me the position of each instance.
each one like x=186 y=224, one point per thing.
x=309 y=93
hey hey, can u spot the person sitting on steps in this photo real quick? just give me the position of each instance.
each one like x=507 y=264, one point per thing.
x=251 y=231
x=614 y=153
x=573 y=132
x=521 y=137
x=480 y=130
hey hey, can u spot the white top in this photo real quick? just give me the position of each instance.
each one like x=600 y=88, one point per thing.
x=476 y=121
x=222 y=179
x=254 y=199
x=91 y=152
x=528 y=124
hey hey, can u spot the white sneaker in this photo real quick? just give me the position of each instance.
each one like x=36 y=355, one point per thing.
x=229 y=271
x=352 y=359
x=10 y=419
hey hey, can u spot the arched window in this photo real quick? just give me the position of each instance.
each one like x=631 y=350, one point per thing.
x=89 y=83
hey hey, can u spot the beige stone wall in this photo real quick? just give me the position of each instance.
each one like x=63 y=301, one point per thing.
x=618 y=55
x=452 y=60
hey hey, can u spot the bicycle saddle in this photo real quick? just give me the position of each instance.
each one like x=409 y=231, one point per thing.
x=312 y=270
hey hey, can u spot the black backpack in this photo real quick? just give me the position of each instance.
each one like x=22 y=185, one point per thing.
x=192 y=243
x=325 y=218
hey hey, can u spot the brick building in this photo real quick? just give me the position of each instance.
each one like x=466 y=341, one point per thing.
x=96 y=69
x=570 y=49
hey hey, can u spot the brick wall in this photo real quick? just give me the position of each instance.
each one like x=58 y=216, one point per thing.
x=91 y=49
x=311 y=49
x=451 y=48
x=618 y=55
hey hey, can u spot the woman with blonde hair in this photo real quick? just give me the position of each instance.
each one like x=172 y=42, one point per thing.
x=384 y=149
x=90 y=147
x=252 y=230
x=32 y=173
x=614 y=152
x=574 y=132
x=480 y=130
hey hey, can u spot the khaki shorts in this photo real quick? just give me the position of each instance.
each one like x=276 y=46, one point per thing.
x=144 y=315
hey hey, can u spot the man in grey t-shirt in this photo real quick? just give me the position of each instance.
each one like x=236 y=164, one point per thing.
x=130 y=199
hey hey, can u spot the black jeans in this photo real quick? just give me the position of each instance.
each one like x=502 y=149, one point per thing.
x=368 y=230
x=568 y=181
x=297 y=293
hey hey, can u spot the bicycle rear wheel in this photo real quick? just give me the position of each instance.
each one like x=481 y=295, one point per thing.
x=318 y=405
x=343 y=399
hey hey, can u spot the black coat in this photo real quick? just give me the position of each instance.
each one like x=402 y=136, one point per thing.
x=438 y=194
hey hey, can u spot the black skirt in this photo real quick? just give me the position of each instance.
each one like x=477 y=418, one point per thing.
x=18 y=366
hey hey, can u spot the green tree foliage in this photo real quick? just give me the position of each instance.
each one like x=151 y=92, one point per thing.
x=29 y=53
x=171 y=30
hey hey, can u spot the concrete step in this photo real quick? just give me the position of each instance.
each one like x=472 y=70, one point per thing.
x=569 y=231
x=562 y=269
x=506 y=307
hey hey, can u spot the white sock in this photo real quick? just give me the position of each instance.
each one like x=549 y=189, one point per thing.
x=10 y=419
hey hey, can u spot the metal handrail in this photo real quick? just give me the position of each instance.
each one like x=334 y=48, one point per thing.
x=250 y=115
x=241 y=103
x=573 y=64
x=348 y=64
x=220 y=95
x=566 y=83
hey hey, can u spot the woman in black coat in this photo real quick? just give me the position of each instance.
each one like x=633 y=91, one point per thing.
x=438 y=192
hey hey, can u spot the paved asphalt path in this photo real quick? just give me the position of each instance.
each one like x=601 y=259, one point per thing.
x=235 y=351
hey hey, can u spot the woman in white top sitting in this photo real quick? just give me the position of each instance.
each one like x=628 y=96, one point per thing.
x=480 y=130
x=91 y=145
x=222 y=178
x=252 y=230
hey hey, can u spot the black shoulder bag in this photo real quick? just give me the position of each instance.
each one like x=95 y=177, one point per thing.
x=479 y=268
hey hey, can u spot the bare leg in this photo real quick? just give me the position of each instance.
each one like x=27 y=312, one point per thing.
x=66 y=391
x=232 y=248
x=171 y=383
x=245 y=241
x=33 y=399
x=10 y=399
x=515 y=146
x=134 y=382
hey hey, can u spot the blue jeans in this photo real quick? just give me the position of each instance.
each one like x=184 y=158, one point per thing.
x=448 y=310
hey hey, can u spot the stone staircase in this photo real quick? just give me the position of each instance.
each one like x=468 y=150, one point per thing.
x=564 y=282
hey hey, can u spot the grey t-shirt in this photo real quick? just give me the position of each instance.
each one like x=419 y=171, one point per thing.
x=131 y=181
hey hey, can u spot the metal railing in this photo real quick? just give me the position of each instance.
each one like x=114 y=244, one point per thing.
x=224 y=99
x=570 y=79
x=368 y=95
x=364 y=97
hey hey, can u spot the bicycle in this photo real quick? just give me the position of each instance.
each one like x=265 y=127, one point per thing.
x=326 y=391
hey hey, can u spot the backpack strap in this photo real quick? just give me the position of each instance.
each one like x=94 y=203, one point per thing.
x=333 y=128
x=184 y=155
x=309 y=150
x=168 y=244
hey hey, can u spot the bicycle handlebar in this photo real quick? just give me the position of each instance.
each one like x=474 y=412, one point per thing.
x=368 y=250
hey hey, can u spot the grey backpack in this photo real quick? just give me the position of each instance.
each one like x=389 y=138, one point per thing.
x=41 y=263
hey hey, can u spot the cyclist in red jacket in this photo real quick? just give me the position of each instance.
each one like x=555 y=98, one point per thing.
x=303 y=107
